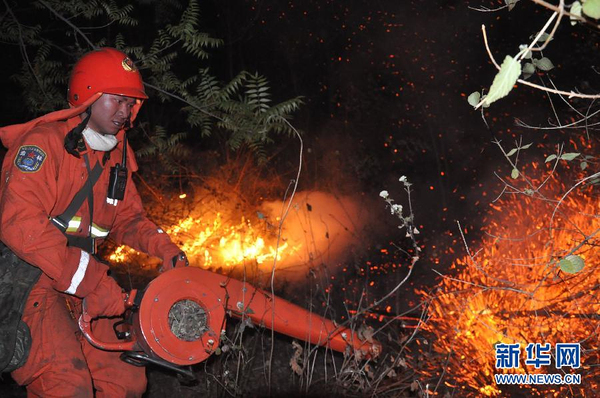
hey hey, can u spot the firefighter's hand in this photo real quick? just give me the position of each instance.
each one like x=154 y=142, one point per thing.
x=178 y=261
x=106 y=300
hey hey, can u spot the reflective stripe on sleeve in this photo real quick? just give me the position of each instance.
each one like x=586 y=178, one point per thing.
x=84 y=260
x=98 y=232
x=74 y=224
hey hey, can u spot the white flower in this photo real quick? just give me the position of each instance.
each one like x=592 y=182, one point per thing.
x=416 y=231
x=384 y=194
x=396 y=209
x=402 y=179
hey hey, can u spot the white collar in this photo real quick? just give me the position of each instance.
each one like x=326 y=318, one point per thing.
x=99 y=142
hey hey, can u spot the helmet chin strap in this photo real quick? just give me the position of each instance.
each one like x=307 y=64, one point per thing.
x=74 y=136
x=99 y=142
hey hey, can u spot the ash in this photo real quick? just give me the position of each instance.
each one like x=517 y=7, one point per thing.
x=187 y=320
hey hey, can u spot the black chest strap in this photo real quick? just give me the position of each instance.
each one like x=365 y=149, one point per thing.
x=86 y=243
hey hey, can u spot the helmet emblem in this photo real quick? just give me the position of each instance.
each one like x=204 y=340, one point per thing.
x=128 y=64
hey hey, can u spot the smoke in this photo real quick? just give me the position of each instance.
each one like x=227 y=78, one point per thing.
x=322 y=228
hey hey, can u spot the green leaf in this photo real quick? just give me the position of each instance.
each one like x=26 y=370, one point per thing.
x=527 y=146
x=550 y=158
x=528 y=70
x=528 y=54
x=505 y=79
x=591 y=8
x=571 y=264
x=569 y=156
x=543 y=37
x=575 y=12
x=543 y=64
x=514 y=174
x=474 y=98
x=583 y=165
x=512 y=152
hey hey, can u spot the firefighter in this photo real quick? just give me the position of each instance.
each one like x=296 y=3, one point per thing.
x=65 y=187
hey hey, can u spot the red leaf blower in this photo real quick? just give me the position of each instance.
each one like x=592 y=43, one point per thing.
x=177 y=320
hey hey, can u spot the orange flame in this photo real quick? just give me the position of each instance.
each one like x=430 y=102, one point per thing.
x=319 y=229
x=213 y=244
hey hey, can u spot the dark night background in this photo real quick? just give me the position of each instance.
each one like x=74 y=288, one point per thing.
x=385 y=86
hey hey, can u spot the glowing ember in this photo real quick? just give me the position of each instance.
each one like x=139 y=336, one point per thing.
x=214 y=244
x=121 y=254
x=513 y=291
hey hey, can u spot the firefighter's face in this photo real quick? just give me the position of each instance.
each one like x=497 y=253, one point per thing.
x=110 y=113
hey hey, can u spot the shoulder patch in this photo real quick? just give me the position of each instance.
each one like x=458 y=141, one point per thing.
x=30 y=158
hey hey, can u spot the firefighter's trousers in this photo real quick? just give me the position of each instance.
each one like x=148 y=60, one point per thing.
x=61 y=362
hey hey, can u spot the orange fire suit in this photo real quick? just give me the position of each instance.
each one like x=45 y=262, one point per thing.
x=39 y=180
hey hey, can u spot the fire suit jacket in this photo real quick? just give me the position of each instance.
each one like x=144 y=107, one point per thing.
x=38 y=181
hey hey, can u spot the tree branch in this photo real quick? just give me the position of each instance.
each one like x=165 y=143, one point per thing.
x=75 y=28
x=570 y=94
x=24 y=48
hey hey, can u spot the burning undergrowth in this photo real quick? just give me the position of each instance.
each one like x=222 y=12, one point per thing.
x=242 y=240
x=514 y=289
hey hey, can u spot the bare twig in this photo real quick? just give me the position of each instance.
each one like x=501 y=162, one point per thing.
x=540 y=33
x=591 y=177
x=486 y=9
x=284 y=215
x=169 y=94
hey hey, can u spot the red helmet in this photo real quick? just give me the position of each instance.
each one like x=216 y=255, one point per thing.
x=107 y=71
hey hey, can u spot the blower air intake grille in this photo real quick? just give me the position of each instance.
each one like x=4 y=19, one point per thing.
x=187 y=320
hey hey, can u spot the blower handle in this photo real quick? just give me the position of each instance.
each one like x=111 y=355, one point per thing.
x=85 y=325
x=130 y=299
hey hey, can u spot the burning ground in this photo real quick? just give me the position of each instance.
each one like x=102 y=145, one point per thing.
x=511 y=289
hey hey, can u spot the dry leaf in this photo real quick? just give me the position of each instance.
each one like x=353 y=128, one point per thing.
x=365 y=333
x=402 y=362
x=296 y=360
x=414 y=386
x=369 y=372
